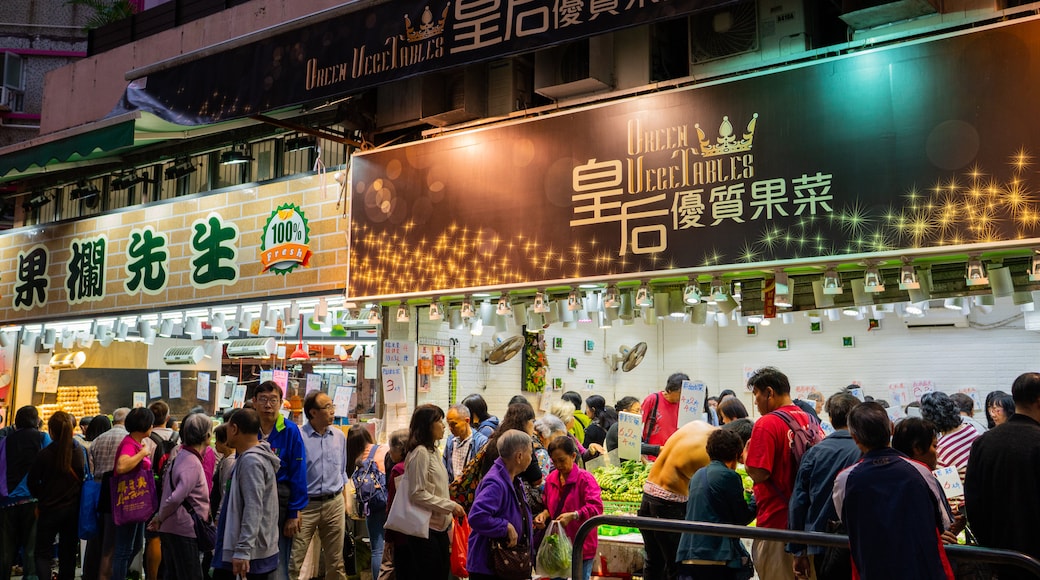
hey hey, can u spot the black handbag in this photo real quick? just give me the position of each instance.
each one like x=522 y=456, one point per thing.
x=513 y=562
x=205 y=531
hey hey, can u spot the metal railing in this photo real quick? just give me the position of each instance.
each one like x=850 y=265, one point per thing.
x=973 y=553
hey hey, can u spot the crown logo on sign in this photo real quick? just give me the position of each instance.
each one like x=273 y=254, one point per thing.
x=727 y=142
x=427 y=27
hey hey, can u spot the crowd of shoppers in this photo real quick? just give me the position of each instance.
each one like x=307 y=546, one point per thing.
x=269 y=487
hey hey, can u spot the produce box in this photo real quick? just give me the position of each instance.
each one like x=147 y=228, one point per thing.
x=622 y=483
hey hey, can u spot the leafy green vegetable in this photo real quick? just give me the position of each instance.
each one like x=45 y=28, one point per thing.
x=622 y=483
x=554 y=555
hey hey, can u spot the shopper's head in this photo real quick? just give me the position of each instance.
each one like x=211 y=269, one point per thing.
x=870 y=426
x=916 y=438
x=838 y=407
x=426 y=427
x=724 y=446
x=140 y=421
x=161 y=411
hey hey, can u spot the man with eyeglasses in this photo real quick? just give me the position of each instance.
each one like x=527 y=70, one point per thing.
x=286 y=442
x=326 y=479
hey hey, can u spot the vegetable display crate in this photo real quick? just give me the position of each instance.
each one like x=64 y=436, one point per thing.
x=618 y=508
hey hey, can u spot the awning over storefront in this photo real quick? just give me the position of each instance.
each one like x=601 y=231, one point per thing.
x=77 y=144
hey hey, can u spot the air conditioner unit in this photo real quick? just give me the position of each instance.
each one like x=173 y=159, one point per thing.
x=438 y=99
x=937 y=318
x=251 y=348
x=183 y=355
x=510 y=85
x=746 y=33
x=577 y=68
x=862 y=14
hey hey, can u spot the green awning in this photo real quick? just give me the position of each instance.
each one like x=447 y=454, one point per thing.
x=78 y=147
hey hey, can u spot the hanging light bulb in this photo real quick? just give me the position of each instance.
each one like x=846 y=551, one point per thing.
x=691 y=294
x=504 y=309
x=644 y=298
x=467 y=308
x=976 y=273
x=300 y=353
x=831 y=281
x=872 y=281
x=612 y=299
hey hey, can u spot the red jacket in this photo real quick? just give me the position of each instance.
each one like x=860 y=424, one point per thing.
x=579 y=494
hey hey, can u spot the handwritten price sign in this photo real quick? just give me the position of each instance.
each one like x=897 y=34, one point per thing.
x=630 y=435
x=691 y=401
x=900 y=394
x=393 y=386
x=920 y=388
x=950 y=482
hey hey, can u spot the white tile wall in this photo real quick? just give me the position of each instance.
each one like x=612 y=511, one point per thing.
x=981 y=358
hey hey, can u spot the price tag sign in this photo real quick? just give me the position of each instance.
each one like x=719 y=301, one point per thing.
x=238 y=399
x=313 y=382
x=342 y=400
x=154 y=385
x=950 y=482
x=630 y=435
x=175 y=384
x=920 y=389
x=266 y=376
x=899 y=394
x=281 y=378
x=857 y=392
x=691 y=401
x=393 y=386
x=398 y=353
x=202 y=387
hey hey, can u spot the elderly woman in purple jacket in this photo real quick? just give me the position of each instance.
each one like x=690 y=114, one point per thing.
x=499 y=510
x=185 y=480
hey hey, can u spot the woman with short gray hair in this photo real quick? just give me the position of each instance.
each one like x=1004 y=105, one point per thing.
x=499 y=513
x=184 y=484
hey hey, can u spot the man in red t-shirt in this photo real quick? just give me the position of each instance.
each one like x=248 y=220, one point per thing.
x=771 y=465
x=661 y=412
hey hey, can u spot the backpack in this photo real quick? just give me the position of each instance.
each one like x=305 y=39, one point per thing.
x=161 y=458
x=802 y=437
x=464 y=489
x=369 y=486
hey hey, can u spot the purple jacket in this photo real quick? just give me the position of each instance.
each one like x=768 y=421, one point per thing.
x=580 y=493
x=186 y=479
x=495 y=505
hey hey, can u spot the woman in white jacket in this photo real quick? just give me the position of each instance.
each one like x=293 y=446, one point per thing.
x=422 y=558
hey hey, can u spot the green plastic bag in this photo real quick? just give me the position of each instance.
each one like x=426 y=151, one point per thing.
x=554 y=555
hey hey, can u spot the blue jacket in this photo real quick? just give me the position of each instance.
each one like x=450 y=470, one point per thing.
x=811 y=507
x=716 y=495
x=287 y=443
x=479 y=440
x=498 y=502
x=487 y=426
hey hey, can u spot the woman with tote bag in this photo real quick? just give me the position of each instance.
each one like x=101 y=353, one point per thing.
x=422 y=499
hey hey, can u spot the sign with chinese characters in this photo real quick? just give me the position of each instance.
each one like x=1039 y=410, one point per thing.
x=393 y=386
x=173 y=254
x=691 y=401
x=950 y=482
x=154 y=385
x=919 y=388
x=900 y=394
x=202 y=387
x=342 y=54
x=283 y=245
x=175 y=384
x=799 y=163
x=399 y=353
x=342 y=400
x=630 y=435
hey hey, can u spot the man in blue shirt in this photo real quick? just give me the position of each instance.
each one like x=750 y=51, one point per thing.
x=890 y=506
x=326 y=476
x=285 y=440
x=811 y=508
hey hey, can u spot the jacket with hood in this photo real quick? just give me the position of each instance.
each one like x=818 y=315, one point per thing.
x=488 y=426
x=248 y=527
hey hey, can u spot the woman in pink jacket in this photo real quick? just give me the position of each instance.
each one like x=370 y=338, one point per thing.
x=571 y=496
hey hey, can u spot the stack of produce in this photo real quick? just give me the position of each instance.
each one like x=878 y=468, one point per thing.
x=622 y=483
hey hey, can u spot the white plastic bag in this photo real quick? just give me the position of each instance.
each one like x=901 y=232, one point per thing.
x=554 y=555
x=405 y=516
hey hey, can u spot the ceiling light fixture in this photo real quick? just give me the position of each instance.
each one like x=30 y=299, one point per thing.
x=300 y=353
x=644 y=299
x=36 y=201
x=126 y=180
x=541 y=305
x=237 y=155
x=402 y=313
x=691 y=294
x=300 y=142
x=180 y=168
x=784 y=295
x=435 y=311
x=374 y=317
x=504 y=309
x=467 y=308
x=908 y=276
x=976 y=272
x=612 y=299
x=831 y=281
x=872 y=281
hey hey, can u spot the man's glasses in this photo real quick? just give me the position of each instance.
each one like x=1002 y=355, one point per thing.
x=268 y=400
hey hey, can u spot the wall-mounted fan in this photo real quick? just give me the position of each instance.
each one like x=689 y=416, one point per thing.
x=503 y=351
x=724 y=31
x=629 y=358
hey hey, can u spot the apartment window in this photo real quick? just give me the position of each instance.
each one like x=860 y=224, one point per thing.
x=12 y=74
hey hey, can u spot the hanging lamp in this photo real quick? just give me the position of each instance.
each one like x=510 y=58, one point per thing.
x=300 y=353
